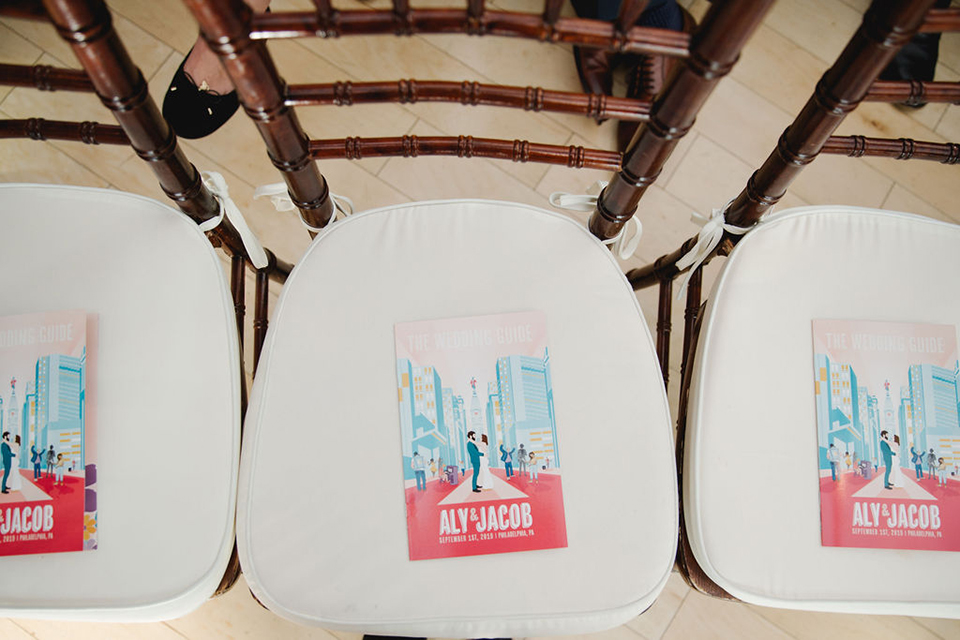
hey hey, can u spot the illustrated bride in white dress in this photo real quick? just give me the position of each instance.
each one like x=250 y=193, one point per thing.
x=14 y=482
x=896 y=475
x=485 y=481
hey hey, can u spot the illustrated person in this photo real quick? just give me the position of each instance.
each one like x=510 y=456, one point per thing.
x=833 y=456
x=887 y=454
x=51 y=460
x=932 y=463
x=533 y=466
x=941 y=472
x=846 y=459
x=36 y=458
x=486 y=478
x=59 y=466
x=474 y=452
x=507 y=458
x=521 y=460
x=419 y=470
x=917 y=459
x=6 y=456
x=896 y=478
x=15 y=483
x=433 y=467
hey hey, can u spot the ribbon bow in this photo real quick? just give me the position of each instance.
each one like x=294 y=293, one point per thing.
x=707 y=240
x=587 y=203
x=280 y=199
x=218 y=187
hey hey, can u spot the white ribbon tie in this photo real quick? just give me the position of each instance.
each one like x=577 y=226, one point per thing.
x=623 y=245
x=281 y=201
x=218 y=187
x=707 y=240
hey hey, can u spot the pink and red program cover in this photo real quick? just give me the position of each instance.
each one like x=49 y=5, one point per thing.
x=48 y=450
x=480 y=451
x=888 y=433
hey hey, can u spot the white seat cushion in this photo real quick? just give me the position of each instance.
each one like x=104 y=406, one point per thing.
x=167 y=377
x=321 y=517
x=751 y=483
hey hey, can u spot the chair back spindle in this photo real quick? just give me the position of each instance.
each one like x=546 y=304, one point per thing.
x=225 y=25
x=886 y=27
x=88 y=27
x=714 y=49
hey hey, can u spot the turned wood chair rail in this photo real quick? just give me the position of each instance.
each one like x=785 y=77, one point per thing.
x=45 y=78
x=592 y=105
x=899 y=149
x=402 y=19
x=41 y=129
x=941 y=21
x=464 y=147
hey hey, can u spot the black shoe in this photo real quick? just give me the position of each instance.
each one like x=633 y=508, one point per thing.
x=192 y=112
x=476 y=490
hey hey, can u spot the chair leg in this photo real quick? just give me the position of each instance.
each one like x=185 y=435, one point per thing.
x=689 y=568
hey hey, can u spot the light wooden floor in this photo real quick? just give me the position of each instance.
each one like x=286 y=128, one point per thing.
x=736 y=130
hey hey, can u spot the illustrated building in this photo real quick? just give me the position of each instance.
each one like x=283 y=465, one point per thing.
x=839 y=420
x=907 y=430
x=934 y=397
x=13 y=415
x=28 y=430
x=59 y=402
x=494 y=424
x=455 y=419
x=526 y=405
x=422 y=424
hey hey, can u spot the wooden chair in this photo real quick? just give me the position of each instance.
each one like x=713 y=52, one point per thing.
x=169 y=379
x=751 y=516
x=322 y=529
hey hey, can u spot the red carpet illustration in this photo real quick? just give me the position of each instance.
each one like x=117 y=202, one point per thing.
x=67 y=502
x=424 y=510
x=840 y=500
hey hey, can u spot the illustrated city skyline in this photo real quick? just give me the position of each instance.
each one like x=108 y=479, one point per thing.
x=52 y=411
x=924 y=411
x=515 y=407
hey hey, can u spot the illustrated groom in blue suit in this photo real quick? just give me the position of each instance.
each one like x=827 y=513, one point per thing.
x=474 y=454
x=887 y=458
x=6 y=453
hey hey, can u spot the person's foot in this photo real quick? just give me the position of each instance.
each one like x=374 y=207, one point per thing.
x=476 y=490
x=203 y=66
x=200 y=98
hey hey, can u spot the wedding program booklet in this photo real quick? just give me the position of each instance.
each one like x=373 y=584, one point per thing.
x=888 y=434
x=47 y=456
x=480 y=451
